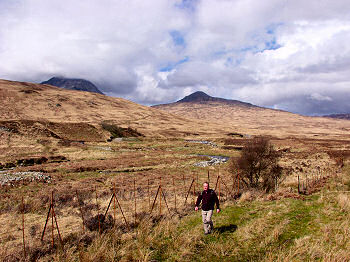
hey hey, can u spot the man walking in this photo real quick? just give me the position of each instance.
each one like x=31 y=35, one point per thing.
x=208 y=198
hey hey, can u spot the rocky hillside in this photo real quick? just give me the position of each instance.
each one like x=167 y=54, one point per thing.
x=73 y=84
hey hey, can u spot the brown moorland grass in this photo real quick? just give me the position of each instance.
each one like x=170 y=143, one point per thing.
x=274 y=227
x=168 y=159
x=260 y=121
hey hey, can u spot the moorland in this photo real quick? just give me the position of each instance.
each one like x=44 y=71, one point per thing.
x=81 y=148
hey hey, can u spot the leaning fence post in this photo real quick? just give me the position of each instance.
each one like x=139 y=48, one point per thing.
x=155 y=199
x=24 y=243
x=58 y=229
x=188 y=192
x=47 y=220
x=121 y=210
x=166 y=203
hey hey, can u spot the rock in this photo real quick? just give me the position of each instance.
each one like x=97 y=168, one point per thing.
x=202 y=142
x=11 y=179
x=214 y=160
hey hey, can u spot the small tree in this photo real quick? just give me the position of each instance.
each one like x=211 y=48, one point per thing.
x=258 y=164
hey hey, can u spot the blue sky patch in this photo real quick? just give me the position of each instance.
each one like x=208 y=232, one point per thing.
x=171 y=66
x=177 y=38
x=187 y=4
x=271 y=45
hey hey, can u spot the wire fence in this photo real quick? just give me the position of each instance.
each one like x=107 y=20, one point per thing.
x=114 y=205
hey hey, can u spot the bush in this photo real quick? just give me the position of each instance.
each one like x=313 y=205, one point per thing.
x=117 y=131
x=258 y=164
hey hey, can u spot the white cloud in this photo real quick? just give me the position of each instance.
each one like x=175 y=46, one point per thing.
x=319 y=97
x=291 y=55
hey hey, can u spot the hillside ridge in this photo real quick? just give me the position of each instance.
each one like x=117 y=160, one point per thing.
x=73 y=84
x=202 y=97
x=30 y=101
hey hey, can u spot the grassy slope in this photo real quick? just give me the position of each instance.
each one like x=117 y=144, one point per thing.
x=28 y=101
x=316 y=228
x=253 y=120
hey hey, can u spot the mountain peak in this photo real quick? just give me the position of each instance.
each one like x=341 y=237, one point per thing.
x=203 y=98
x=73 y=84
x=198 y=96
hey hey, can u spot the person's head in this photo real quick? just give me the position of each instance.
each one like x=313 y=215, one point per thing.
x=205 y=186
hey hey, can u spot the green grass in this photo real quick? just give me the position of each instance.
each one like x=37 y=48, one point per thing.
x=242 y=231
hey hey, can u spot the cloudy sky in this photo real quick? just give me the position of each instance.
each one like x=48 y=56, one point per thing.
x=285 y=54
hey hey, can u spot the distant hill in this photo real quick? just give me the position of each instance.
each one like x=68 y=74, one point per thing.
x=73 y=84
x=202 y=98
x=47 y=112
x=71 y=110
x=339 y=116
x=250 y=119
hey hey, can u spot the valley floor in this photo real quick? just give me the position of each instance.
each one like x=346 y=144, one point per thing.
x=281 y=226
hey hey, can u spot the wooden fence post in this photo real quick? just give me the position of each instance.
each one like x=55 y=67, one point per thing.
x=166 y=203
x=58 y=229
x=188 y=192
x=114 y=206
x=160 y=198
x=98 y=211
x=24 y=243
x=53 y=217
x=81 y=211
x=174 y=193
x=135 y=201
x=52 y=232
x=238 y=183
x=183 y=179
x=149 y=197
x=194 y=192
x=219 y=180
x=216 y=184
x=154 y=202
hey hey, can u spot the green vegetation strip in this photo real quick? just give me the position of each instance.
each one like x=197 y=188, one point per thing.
x=245 y=232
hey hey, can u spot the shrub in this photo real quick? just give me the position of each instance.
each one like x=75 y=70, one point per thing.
x=258 y=164
x=117 y=131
